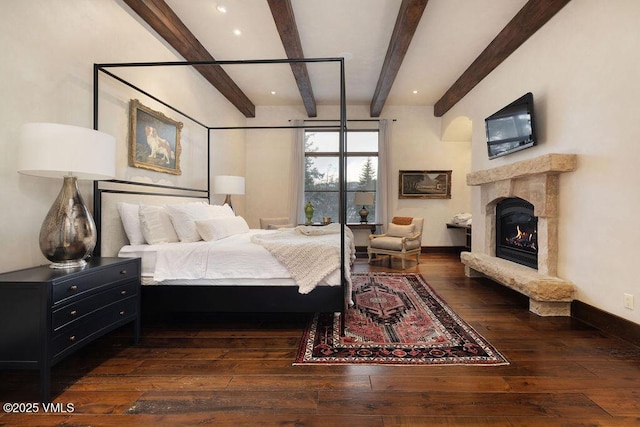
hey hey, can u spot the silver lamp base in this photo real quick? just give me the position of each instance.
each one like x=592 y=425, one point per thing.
x=68 y=233
x=69 y=264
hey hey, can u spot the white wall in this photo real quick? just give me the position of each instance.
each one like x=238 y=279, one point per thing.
x=583 y=69
x=49 y=48
x=415 y=145
x=268 y=163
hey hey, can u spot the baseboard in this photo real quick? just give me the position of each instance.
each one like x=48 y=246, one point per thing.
x=361 y=251
x=592 y=316
x=606 y=322
x=442 y=249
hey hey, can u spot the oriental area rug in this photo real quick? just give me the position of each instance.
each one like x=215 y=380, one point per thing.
x=396 y=319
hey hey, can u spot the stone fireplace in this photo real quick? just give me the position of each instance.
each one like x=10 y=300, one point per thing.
x=535 y=182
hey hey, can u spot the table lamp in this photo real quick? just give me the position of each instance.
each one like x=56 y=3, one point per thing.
x=68 y=233
x=363 y=199
x=228 y=184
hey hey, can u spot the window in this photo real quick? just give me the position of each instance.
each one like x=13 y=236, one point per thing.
x=321 y=170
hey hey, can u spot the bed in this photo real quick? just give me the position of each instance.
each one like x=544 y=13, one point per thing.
x=235 y=273
x=223 y=292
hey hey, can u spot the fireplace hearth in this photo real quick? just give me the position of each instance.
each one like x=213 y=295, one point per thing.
x=521 y=233
x=517 y=232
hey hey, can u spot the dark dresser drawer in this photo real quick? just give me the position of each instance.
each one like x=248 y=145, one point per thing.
x=46 y=314
x=91 y=302
x=74 y=334
x=77 y=285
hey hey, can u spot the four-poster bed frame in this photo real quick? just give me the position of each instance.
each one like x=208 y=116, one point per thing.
x=185 y=298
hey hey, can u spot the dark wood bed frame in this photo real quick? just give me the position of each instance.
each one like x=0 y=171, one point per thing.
x=158 y=299
x=233 y=299
x=210 y=299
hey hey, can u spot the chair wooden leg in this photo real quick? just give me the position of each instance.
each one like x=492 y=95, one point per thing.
x=403 y=263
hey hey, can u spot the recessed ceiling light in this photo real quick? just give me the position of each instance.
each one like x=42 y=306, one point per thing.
x=222 y=9
x=415 y=92
x=237 y=32
x=273 y=92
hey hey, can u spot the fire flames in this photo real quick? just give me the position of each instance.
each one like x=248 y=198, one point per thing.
x=524 y=240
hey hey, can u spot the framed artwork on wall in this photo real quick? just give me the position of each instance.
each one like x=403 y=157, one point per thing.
x=154 y=140
x=434 y=184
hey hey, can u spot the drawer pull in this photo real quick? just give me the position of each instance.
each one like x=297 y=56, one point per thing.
x=123 y=292
x=72 y=338
x=122 y=313
x=73 y=312
x=123 y=272
x=73 y=288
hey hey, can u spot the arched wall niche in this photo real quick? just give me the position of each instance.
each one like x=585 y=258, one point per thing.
x=457 y=130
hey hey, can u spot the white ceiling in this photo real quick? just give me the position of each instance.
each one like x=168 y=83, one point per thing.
x=451 y=34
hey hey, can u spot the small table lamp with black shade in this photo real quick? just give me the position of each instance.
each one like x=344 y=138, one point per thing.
x=68 y=233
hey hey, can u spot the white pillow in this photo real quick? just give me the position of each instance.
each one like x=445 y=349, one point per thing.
x=131 y=222
x=218 y=211
x=219 y=228
x=156 y=225
x=395 y=230
x=184 y=215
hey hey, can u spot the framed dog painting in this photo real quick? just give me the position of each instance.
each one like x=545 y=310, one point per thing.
x=154 y=140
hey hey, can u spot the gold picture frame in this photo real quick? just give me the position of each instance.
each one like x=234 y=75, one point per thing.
x=432 y=184
x=154 y=140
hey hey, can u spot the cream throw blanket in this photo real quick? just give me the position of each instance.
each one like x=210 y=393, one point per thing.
x=309 y=253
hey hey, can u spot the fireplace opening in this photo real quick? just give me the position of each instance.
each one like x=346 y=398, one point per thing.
x=517 y=232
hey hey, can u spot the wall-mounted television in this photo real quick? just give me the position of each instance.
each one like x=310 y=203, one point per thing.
x=511 y=128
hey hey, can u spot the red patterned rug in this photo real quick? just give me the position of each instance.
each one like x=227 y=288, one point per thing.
x=396 y=319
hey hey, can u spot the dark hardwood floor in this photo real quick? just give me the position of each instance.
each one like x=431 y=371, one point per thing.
x=237 y=370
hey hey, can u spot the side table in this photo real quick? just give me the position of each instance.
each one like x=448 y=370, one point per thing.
x=47 y=314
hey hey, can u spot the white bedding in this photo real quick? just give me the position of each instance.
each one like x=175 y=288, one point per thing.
x=234 y=259
x=309 y=253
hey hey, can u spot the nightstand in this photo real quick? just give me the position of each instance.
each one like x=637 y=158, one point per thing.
x=47 y=314
x=372 y=227
x=467 y=232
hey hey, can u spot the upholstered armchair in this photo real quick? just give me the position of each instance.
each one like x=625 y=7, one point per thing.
x=275 y=223
x=402 y=239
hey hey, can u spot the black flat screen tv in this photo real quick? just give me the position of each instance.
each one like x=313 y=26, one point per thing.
x=511 y=128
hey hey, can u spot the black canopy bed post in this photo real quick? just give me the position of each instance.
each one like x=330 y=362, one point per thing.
x=96 y=200
x=218 y=298
x=342 y=206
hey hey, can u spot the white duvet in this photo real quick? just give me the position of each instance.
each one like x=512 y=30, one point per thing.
x=234 y=257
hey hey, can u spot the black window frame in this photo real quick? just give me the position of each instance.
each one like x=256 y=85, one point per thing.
x=349 y=192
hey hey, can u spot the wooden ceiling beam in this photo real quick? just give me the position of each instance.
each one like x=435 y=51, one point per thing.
x=166 y=23
x=406 y=23
x=533 y=15
x=285 y=20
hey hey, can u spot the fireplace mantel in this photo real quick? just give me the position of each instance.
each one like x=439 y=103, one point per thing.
x=536 y=181
x=545 y=165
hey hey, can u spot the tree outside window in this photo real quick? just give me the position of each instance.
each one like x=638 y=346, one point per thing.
x=321 y=180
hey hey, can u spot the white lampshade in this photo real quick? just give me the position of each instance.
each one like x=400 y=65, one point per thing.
x=363 y=199
x=54 y=150
x=68 y=233
x=228 y=184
